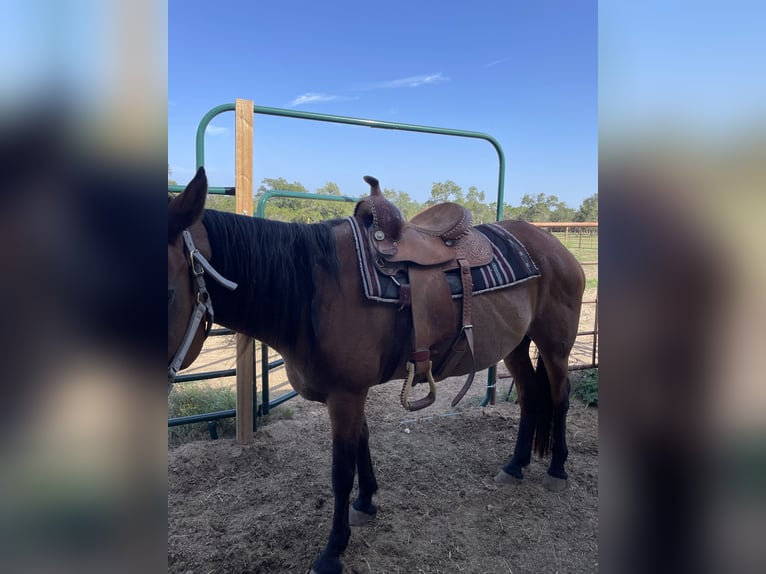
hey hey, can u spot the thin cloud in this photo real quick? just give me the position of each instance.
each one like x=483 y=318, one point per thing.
x=496 y=62
x=312 y=98
x=216 y=130
x=410 y=82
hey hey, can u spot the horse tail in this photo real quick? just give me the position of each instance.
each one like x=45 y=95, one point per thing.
x=544 y=418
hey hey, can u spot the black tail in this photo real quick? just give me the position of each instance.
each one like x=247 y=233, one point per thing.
x=543 y=439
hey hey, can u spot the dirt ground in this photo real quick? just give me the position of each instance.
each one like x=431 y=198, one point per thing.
x=266 y=507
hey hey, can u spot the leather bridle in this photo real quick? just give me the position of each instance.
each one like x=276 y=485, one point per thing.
x=203 y=310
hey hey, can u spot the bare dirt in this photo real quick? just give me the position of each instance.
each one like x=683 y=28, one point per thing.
x=266 y=507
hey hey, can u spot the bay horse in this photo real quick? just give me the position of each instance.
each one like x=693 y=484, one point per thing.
x=297 y=288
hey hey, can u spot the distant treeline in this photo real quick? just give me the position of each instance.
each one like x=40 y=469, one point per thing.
x=540 y=207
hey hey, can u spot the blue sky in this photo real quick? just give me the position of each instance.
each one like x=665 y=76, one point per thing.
x=523 y=72
x=697 y=66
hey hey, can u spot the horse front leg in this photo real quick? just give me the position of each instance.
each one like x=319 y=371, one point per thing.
x=362 y=510
x=346 y=417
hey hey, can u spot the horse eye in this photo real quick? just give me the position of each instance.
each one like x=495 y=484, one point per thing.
x=171 y=295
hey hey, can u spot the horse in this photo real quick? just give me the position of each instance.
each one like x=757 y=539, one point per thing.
x=297 y=287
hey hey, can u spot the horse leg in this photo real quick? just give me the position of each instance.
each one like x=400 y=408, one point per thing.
x=346 y=417
x=553 y=373
x=362 y=510
x=520 y=367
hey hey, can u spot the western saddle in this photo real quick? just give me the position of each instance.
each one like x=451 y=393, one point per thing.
x=415 y=254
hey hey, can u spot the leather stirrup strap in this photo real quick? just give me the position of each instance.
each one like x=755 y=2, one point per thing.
x=433 y=319
x=467 y=282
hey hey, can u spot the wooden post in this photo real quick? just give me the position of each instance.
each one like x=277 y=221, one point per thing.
x=243 y=150
x=245 y=374
x=243 y=182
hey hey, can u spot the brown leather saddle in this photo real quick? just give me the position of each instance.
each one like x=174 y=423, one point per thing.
x=415 y=254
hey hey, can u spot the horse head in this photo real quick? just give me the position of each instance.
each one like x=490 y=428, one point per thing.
x=190 y=310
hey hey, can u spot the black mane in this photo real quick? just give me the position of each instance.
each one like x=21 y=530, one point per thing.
x=275 y=265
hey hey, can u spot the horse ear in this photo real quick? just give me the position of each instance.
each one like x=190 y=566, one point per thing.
x=186 y=208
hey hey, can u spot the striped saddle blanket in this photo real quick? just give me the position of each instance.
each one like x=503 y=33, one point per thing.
x=511 y=264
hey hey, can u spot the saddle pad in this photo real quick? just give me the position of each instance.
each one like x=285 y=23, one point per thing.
x=510 y=264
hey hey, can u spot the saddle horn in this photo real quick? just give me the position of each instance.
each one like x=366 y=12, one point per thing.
x=381 y=216
x=374 y=185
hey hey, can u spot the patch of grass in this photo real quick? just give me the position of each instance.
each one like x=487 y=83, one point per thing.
x=196 y=398
x=192 y=399
x=277 y=413
x=591 y=282
x=510 y=395
x=585 y=386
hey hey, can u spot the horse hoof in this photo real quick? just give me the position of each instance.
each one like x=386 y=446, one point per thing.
x=358 y=518
x=503 y=477
x=554 y=484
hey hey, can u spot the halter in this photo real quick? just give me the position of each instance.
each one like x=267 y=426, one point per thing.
x=204 y=307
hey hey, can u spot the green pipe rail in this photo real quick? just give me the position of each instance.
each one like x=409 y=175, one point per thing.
x=377 y=124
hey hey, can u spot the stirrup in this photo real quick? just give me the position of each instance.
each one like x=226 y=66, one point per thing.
x=420 y=403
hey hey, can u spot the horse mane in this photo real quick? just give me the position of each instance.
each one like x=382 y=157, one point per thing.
x=275 y=264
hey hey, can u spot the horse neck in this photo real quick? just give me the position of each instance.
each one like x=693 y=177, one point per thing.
x=272 y=262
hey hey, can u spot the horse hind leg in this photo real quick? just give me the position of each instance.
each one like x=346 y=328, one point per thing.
x=362 y=510
x=552 y=376
x=520 y=367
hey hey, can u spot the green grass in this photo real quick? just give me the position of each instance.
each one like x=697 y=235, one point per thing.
x=585 y=386
x=281 y=412
x=192 y=399
x=509 y=395
x=583 y=245
x=197 y=398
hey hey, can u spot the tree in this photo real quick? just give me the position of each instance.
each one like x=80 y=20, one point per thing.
x=560 y=211
x=401 y=199
x=588 y=209
x=171 y=181
x=537 y=208
x=221 y=202
x=331 y=209
x=542 y=207
x=283 y=208
x=474 y=201
x=445 y=191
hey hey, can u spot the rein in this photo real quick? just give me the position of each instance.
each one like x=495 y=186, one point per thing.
x=204 y=307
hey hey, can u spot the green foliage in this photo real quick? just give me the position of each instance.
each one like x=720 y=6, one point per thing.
x=543 y=207
x=408 y=206
x=221 y=202
x=586 y=387
x=302 y=210
x=588 y=210
x=284 y=208
x=536 y=208
x=324 y=210
x=474 y=201
x=196 y=398
x=445 y=191
x=511 y=396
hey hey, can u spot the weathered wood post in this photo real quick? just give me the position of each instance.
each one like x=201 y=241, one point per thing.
x=243 y=182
